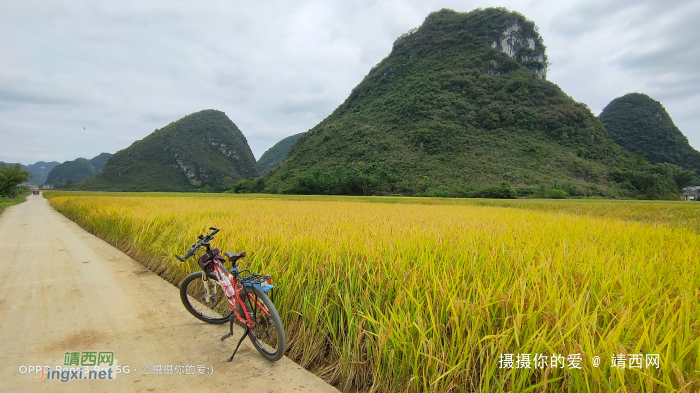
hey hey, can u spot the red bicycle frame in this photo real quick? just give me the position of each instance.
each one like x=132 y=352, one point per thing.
x=231 y=289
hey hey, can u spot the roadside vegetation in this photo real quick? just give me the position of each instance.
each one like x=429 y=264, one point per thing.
x=5 y=202
x=11 y=193
x=425 y=294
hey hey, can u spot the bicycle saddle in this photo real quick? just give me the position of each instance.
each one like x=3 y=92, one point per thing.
x=234 y=257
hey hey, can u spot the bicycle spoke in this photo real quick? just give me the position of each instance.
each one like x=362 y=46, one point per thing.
x=263 y=329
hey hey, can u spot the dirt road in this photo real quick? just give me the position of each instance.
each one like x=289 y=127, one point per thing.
x=64 y=290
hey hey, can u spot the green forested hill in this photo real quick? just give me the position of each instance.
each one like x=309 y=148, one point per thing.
x=99 y=161
x=76 y=170
x=276 y=154
x=641 y=125
x=202 y=150
x=462 y=104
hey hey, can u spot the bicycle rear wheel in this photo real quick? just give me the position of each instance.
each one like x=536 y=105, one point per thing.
x=214 y=308
x=267 y=333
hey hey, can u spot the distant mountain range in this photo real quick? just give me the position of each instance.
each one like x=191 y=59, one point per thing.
x=460 y=107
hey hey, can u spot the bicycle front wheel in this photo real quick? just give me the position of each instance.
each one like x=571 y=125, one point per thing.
x=212 y=307
x=267 y=333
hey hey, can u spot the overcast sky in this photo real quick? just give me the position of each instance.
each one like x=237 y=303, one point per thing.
x=79 y=78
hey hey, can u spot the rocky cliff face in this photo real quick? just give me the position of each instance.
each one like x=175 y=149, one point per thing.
x=523 y=48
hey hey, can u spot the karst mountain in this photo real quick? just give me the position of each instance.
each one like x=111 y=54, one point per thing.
x=202 y=151
x=642 y=126
x=460 y=104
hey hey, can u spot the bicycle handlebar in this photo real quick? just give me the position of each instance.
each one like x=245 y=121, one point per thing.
x=203 y=240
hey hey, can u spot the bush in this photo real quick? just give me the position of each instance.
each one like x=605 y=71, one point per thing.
x=555 y=194
x=502 y=191
x=571 y=190
x=439 y=193
x=248 y=186
x=10 y=178
x=527 y=191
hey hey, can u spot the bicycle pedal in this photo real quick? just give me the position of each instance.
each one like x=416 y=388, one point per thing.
x=225 y=336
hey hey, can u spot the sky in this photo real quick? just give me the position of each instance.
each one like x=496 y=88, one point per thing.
x=78 y=78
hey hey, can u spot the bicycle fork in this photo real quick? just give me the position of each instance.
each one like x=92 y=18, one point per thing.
x=209 y=293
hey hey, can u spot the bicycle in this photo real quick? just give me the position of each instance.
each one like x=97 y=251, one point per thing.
x=245 y=294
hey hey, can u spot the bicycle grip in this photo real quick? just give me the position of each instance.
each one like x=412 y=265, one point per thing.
x=187 y=256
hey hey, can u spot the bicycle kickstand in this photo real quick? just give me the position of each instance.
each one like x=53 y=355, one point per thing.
x=239 y=343
x=230 y=333
x=247 y=330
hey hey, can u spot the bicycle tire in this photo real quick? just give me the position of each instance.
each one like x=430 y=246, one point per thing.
x=192 y=294
x=267 y=334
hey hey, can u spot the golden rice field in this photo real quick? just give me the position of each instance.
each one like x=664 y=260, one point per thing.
x=430 y=295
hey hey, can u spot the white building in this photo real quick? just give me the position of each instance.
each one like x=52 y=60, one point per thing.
x=691 y=193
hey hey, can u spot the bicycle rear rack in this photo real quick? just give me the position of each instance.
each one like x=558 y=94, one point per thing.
x=253 y=279
x=256 y=280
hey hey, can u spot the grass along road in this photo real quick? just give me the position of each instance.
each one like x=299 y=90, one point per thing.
x=5 y=202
